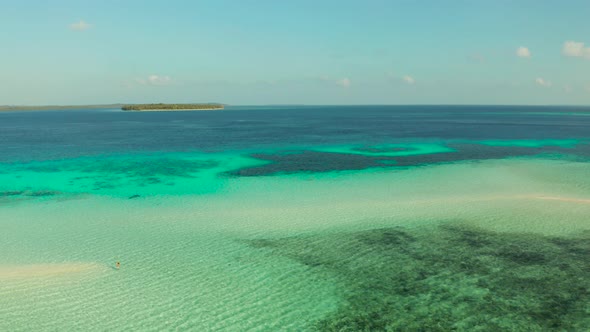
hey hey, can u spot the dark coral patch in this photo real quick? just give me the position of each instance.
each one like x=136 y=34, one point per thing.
x=449 y=278
x=309 y=161
x=29 y=193
x=381 y=150
x=11 y=193
x=113 y=172
x=42 y=193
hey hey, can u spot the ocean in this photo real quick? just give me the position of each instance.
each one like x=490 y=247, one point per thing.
x=296 y=218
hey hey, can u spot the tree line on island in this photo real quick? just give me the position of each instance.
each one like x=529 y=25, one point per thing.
x=161 y=106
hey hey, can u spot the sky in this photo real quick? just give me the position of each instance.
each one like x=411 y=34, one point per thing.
x=259 y=52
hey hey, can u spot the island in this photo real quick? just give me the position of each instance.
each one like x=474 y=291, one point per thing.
x=172 y=107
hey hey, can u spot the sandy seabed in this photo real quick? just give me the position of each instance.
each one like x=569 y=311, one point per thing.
x=491 y=245
x=46 y=270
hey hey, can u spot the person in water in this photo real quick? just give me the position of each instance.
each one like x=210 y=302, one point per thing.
x=118 y=265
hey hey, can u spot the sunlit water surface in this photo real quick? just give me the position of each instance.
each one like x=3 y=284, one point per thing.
x=296 y=219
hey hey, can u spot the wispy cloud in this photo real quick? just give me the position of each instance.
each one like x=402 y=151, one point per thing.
x=155 y=80
x=575 y=49
x=543 y=82
x=344 y=82
x=394 y=78
x=409 y=79
x=80 y=26
x=523 y=52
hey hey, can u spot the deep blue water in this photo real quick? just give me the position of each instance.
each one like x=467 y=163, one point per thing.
x=39 y=135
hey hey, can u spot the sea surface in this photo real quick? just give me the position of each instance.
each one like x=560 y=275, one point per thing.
x=299 y=218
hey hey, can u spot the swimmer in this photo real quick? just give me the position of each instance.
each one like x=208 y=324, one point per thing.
x=118 y=265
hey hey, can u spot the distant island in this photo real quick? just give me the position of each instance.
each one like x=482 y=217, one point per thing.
x=125 y=107
x=172 y=107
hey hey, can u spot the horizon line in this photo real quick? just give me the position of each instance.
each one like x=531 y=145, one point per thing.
x=110 y=105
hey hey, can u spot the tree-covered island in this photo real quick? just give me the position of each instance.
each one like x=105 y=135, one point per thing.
x=172 y=107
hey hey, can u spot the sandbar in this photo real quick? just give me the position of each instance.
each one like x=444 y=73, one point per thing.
x=45 y=270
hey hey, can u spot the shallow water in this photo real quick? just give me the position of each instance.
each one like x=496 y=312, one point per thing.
x=355 y=218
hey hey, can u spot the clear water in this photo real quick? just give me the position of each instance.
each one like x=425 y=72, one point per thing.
x=296 y=219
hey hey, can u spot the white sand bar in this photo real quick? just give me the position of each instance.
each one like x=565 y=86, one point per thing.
x=45 y=270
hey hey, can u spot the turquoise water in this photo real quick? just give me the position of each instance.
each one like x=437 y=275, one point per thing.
x=439 y=233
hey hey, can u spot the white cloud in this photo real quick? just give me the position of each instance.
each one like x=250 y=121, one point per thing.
x=80 y=26
x=409 y=79
x=523 y=52
x=543 y=82
x=155 y=80
x=345 y=82
x=575 y=49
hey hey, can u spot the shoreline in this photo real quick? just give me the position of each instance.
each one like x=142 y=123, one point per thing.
x=176 y=110
x=44 y=270
x=33 y=108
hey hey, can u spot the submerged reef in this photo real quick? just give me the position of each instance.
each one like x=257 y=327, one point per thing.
x=29 y=193
x=309 y=161
x=115 y=172
x=449 y=278
x=132 y=167
x=8 y=196
x=358 y=158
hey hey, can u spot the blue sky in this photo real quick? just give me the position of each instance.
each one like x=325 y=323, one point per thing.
x=300 y=51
